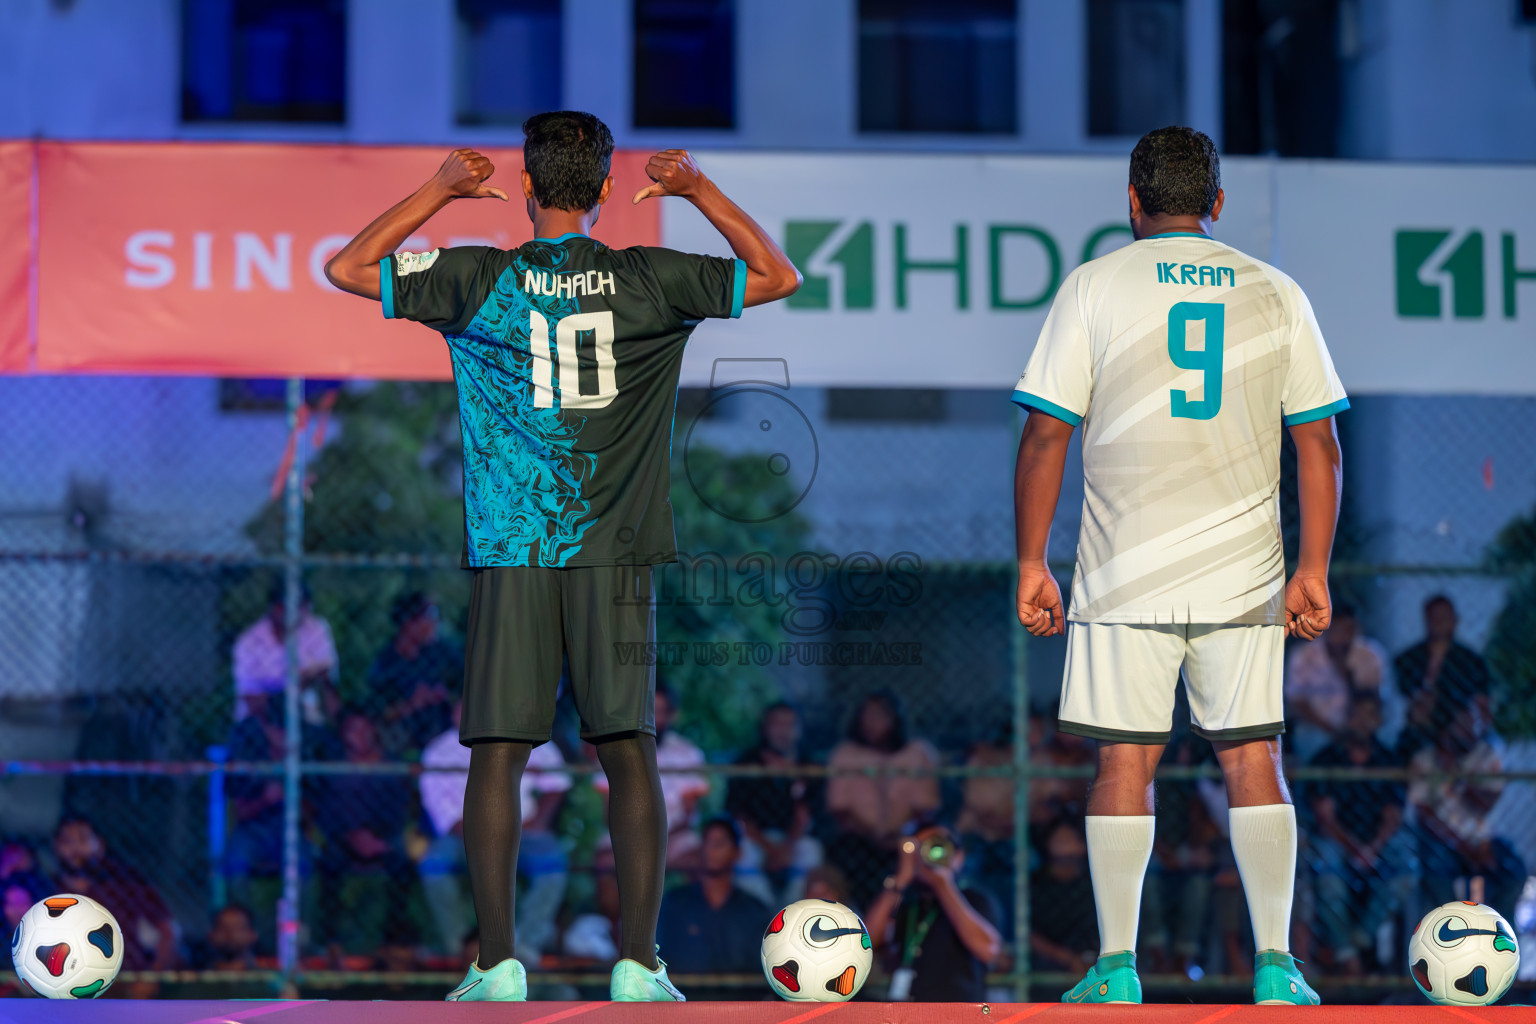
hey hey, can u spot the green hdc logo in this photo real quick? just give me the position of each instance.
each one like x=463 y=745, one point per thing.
x=837 y=260
x=1419 y=294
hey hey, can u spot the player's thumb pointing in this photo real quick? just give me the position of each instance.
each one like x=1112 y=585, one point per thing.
x=653 y=189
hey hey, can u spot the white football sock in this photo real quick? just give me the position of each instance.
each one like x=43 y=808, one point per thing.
x=1118 y=851
x=1264 y=843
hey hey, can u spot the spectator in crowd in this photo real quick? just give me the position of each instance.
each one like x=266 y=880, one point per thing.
x=1437 y=666
x=18 y=866
x=986 y=822
x=825 y=882
x=88 y=868
x=1360 y=849
x=1176 y=901
x=260 y=661
x=253 y=851
x=541 y=860
x=362 y=818
x=939 y=938
x=1320 y=676
x=1062 y=937
x=1054 y=798
x=712 y=925
x=15 y=899
x=1458 y=841
x=231 y=943
x=775 y=812
x=412 y=683
x=873 y=811
x=681 y=791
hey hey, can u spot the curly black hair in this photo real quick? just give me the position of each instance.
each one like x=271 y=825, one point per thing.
x=567 y=153
x=1176 y=171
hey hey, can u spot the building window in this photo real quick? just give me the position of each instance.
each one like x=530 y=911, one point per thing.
x=685 y=64
x=1282 y=78
x=509 y=60
x=264 y=60
x=927 y=67
x=1135 y=66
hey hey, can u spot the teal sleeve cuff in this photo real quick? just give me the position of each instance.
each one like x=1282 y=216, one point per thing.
x=387 y=288
x=1029 y=401
x=739 y=294
x=1323 y=412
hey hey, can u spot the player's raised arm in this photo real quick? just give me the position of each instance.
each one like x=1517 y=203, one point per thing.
x=355 y=268
x=1036 y=488
x=770 y=274
x=1308 y=609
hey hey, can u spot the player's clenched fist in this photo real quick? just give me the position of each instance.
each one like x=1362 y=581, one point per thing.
x=673 y=172
x=1308 y=607
x=463 y=176
x=1039 y=601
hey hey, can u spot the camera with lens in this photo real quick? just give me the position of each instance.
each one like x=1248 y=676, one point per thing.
x=935 y=850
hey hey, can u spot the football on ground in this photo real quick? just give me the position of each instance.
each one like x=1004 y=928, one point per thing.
x=1463 y=954
x=816 y=951
x=67 y=947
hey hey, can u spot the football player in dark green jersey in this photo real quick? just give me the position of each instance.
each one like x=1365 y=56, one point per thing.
x=566 y=355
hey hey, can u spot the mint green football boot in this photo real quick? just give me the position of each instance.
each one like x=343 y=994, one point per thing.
x=507 y=982
x=633 y=982
x=1112 y=980
x=1278 y=982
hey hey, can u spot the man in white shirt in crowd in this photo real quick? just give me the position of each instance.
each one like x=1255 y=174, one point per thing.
x=541 y=861
x=1322 y=675
x=261 y=656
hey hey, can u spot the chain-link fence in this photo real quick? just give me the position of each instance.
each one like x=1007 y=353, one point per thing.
x=231 y=617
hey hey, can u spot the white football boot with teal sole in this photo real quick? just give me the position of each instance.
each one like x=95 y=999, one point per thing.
x=633 y=982
x=1112 y=980
x=507 y=982
x=1278 y=982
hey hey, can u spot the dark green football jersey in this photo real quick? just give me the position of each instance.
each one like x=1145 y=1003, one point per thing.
x=566 y=355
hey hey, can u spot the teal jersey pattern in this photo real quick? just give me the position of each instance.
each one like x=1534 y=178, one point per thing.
x=566 y=356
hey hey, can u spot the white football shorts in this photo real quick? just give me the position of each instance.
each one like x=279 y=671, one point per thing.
x=1121 y=680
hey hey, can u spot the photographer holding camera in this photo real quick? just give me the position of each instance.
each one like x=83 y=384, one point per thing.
x=940 y=938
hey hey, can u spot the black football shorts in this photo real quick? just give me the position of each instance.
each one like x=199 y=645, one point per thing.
x=524 y=619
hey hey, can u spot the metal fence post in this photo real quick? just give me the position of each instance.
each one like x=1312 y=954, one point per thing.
x=288 y=915
x=1020 y=812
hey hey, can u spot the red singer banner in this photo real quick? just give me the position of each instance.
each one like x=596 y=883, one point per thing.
x=15 y=254
x=209 y=259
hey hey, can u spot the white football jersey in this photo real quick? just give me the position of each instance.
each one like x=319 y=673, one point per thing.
x=1180 y=356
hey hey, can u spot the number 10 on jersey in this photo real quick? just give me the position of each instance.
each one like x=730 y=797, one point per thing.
x=1214 y=316
x=566 y=329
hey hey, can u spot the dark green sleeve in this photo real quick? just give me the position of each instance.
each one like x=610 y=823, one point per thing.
x=438 y=288
x=696 y=287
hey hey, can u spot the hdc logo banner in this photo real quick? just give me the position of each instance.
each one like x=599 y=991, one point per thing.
x=1430 y=261
x=1423 y=278
x=926 y=271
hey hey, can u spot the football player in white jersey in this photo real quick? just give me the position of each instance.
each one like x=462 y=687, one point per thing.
x=1181 y=358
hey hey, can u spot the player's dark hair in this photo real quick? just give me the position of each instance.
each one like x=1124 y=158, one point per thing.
x=664 y=689
x=892 y=704
x=1346 y=611
x=567 y=153
x=1176 y=171
x=1435 y=599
